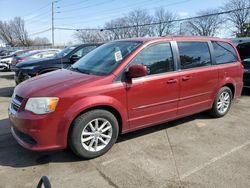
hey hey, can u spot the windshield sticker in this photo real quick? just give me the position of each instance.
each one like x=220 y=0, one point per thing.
x=118 y=56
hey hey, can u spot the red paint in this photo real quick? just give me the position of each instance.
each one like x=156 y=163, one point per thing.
x=142 y=102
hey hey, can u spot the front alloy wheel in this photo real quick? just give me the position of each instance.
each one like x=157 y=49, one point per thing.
x=93 y=133
x=96 y=135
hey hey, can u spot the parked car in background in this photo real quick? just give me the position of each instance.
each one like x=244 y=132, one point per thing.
x=243 y=47
x=63 y=59
x=123 y=86
x=5 y=61
x=34 y=54
x=5 y=52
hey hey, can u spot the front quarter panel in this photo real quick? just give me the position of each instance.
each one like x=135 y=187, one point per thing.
x=80 y=105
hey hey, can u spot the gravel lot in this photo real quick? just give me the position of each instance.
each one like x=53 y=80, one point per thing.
x=196 y=151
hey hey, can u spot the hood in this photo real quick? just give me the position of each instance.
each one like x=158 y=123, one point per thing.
x=53 y=83
x=8 y=56
x=6 y=59
x=34 y=62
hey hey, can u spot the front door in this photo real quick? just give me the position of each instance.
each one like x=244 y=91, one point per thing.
x=153 y=99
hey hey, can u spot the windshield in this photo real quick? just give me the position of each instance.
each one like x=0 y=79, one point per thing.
x=65 y=51
x=106 y=58
x=27 y=54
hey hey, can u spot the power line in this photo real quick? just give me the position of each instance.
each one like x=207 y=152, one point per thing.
x=39 y=32
x=36 y=10
x=72 y=29
x=117 y=10
x=89 y=6
x=112 y=15
x=73 y=4
x=157 y=23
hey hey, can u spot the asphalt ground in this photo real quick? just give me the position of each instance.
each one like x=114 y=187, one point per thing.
x=196 y=151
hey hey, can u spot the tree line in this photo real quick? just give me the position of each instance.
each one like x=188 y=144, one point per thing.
x=237 y=22
x=14 y=33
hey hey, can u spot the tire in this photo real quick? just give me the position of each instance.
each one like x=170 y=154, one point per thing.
x=88 y=143
x=221 y=98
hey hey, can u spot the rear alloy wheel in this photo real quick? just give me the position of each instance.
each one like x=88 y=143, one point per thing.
x=93 y=133
x=222 y=102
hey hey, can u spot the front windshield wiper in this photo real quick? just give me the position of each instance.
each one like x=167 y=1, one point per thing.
x=78 y=70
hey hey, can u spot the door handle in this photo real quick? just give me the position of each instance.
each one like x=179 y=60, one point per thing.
x=172 y=81
x=185 y=78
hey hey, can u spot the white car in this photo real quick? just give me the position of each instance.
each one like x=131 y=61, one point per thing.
x=5 y=63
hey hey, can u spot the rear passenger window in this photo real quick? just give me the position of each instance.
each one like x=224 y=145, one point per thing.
x=224 y=53
x=194 y=54
x=157 y=58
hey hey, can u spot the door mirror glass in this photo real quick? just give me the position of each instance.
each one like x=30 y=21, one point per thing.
x=136 y=71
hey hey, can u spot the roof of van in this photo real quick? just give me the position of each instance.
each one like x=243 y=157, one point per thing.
x=146 y=39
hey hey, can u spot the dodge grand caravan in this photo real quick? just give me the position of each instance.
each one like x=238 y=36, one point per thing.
x=123 y=86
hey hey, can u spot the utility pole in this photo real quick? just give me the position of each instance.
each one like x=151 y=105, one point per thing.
x=52 y=22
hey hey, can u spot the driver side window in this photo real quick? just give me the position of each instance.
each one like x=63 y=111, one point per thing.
x=83 y=51
x=158 y=58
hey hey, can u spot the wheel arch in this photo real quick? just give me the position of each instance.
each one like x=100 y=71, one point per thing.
x=91 y=103
x=108 y=108
x=231 y=87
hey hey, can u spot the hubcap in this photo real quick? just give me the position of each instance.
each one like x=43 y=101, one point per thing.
x=96 y=135
x=223 y=102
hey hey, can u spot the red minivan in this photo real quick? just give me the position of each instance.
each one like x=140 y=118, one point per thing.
x=123 y=86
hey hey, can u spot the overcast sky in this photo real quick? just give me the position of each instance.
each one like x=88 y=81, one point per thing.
x=89 y=13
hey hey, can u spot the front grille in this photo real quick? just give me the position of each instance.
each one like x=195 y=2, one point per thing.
x=24 y=137
x=16 y=102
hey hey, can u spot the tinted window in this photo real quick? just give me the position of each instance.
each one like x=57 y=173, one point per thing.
x=244 y=50
x=194 y=54
x=157 y=58
x=224 y=53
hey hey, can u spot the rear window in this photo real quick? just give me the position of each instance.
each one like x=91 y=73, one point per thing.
x=224 y=53
x=194 y=54
x=244 y=50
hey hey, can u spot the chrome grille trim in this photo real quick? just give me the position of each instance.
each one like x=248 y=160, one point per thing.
x=16 y=102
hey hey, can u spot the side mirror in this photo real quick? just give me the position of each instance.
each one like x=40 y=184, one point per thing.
x=136 y=71
x=74 y=58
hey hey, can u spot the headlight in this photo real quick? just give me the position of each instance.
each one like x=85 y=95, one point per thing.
x=41 y=105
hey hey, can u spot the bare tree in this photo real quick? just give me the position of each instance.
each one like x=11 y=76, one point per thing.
x=6 y=34
x=40 y=41
x=240 y=17
x=166 y=28
x=137 y=18
x=18 y=30
x=205 y=26
x=90 y=36
x=117 y=28
x=14 y=33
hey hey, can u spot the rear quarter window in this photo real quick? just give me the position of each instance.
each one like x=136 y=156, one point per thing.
x=224 y=53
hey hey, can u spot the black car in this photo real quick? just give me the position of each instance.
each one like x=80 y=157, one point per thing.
x=65 y=58
x=243 y=47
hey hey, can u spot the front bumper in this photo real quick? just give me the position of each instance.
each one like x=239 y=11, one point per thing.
x=4 y=66
x=36 y=132
x=21 y=76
